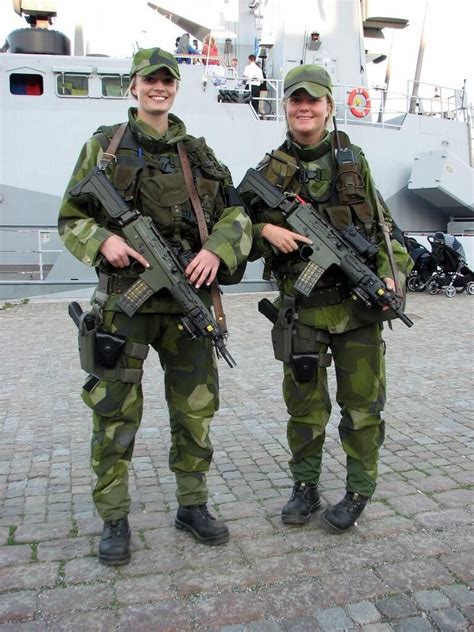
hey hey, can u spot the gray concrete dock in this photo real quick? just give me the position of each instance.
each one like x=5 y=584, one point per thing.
x=407 y=566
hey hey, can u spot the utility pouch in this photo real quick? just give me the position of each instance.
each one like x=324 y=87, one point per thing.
x=349 y=184
x=305 y=358
x=108 y=348
x=304 y=365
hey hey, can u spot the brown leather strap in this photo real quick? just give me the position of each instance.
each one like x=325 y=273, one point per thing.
x=109 y=155
x=203 y=232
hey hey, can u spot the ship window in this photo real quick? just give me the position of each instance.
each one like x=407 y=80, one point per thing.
x=72 y=85
x=115 y=85
x=29 y=85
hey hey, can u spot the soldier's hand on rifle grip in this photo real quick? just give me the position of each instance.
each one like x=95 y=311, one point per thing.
x=285 y=240
x=390 y=285
x=118 y=252
x=203 y=268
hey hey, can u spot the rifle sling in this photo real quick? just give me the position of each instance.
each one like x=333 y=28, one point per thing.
x=203 y=232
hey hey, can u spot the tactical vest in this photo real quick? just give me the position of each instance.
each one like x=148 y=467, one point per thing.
x=152 y=179
x=337 y=192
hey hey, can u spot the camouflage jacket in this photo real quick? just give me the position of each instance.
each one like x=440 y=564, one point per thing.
x=148 y=173
x=318 y=164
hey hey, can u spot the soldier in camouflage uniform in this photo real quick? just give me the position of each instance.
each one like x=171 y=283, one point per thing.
x=148 y=171
x=327 y=320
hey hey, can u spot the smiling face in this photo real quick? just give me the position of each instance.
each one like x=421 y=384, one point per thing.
x=155 y=94
x=306 y=116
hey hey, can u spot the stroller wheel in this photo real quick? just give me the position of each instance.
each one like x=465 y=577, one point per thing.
x=470 y=288
x=433 y=288
x=416 y=284
x=450 y=291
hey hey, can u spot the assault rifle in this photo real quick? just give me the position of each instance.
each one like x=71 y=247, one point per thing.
x=165 y=271
x=347 y=248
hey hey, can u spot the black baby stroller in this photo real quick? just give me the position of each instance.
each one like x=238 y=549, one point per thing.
x=424 y=267
x=452 y=274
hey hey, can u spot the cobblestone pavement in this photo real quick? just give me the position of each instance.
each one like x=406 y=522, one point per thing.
x=407 y=566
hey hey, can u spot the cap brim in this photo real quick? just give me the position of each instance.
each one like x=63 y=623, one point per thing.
x=314 y=89
x=149 y=70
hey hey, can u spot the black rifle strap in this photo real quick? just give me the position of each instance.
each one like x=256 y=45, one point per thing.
x=203 y=232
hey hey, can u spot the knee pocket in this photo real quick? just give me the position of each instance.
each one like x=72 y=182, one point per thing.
x=108 y=398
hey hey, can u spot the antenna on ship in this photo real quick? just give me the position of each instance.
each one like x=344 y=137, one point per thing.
x=39 y=38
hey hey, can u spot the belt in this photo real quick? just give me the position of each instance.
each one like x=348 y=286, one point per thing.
x=323 y=298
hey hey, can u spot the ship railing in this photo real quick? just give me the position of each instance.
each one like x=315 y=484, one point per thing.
x=18 y=261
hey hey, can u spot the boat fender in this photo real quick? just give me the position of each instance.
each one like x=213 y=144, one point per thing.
x=359 y=102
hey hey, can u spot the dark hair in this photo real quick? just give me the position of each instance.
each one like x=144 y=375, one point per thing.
x=252 y=58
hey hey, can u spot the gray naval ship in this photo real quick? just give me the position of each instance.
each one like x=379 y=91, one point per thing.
x=418 y=144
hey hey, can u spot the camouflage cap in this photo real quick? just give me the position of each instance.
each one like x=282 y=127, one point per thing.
x=314 y=79
x=149 y=60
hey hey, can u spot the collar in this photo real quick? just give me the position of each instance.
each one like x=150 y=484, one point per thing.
x=151 y=140
x=312 y=152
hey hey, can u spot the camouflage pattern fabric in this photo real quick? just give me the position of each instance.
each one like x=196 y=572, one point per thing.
x=191 y=380
x=360 y=373
x=191 y=390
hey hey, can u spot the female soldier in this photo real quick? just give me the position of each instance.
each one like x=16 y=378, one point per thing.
x=328 y=318
x=148 y=171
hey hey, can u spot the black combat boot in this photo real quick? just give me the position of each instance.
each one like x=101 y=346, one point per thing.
x=303 y=502
x=114 y=545
x=204 y=526
x=344 y=514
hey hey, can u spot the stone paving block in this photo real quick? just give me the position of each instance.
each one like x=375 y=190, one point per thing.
x=388 y=526
x=301 y=564
x=449 y=619
x=160 y=617
x=413 y=624
x=396 y=607
x=433 y=484
x=12 y=555
x=431 y=599
x=212 y=579
x=455 y=498
x=39 y=533
x=412 y=504
x=230 y=608
x=332 y=619
x=29 y=576
x=265 y=546
x=300 y=624
x=290 y=600
x=17 y=606
x=149 y=588
x=144 y=562
x=30 y=626
x=94 y=621
x=414 y=575
x=377 y=627
x=68 y=549
x=61 y=600
x=444 y=518
x=87 y=569
x=459 y=594
x=363 y=612
x=461 y=564
x=350 y=587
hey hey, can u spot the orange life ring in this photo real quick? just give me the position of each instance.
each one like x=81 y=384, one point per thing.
x=359 y=102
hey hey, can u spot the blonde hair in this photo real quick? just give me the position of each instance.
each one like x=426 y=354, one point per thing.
x=328 y=122
x=209 y=39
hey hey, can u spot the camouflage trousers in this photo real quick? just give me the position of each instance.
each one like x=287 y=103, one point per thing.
x=191 y=390
x=359 y=362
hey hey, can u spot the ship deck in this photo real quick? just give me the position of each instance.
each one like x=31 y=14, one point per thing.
x=406 y=566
